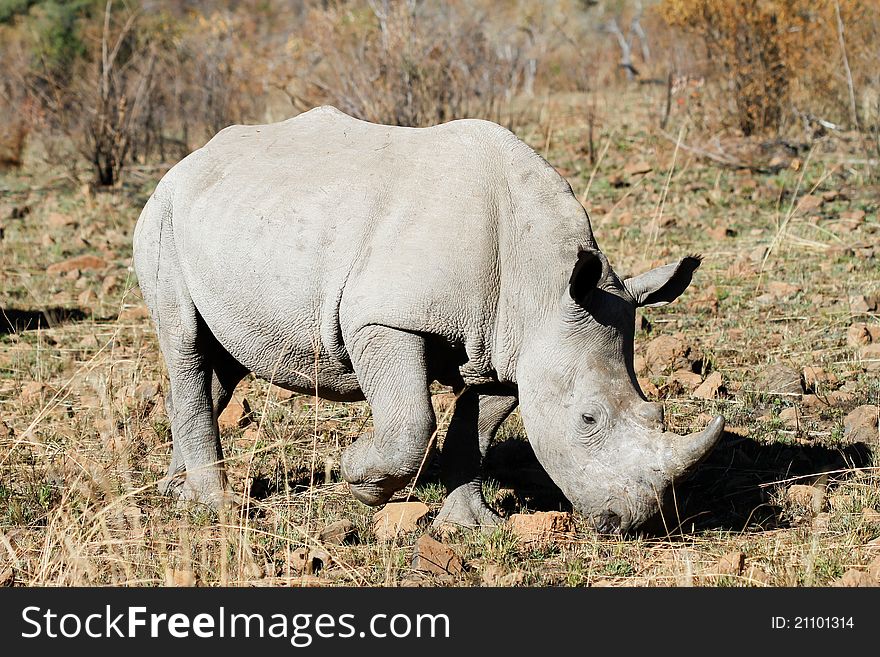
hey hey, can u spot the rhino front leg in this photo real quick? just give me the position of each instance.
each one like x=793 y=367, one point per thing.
x=478 y=414
x=391 y=368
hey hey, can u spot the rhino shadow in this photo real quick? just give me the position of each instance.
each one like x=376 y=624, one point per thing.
x=14 y=320
x=732 y=490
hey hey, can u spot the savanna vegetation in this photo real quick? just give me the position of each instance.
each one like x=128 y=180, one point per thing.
x=748 y=132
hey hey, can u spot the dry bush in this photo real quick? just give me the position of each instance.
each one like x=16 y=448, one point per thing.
x=403 y=63
x=780 y=59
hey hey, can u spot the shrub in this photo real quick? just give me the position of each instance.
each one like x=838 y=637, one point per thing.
x=779 y=55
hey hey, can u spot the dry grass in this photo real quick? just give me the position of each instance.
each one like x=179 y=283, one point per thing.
x=84 y=436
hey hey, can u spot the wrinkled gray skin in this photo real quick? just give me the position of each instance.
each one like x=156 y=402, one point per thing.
x=383 y=258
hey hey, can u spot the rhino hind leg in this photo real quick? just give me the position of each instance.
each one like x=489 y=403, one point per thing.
x=391 y=368
x=479 y=412
x=226 y=374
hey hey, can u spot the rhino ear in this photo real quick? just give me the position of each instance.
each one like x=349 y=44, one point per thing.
x=585 y=276
x=663 y=284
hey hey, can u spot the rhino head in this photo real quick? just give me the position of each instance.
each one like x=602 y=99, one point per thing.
x=590 y=425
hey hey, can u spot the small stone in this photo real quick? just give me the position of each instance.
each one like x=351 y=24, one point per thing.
x=815 y=377
x=309 y=561
x=860 y=334
x=667 y=352
x=180 y=577
x=31 y=392
x=731 y=563
x=870 y=356
x=813 y=403
x=84 y=262
x=87 y=299
x=853 y=578
x=541 y=527
x=133 y=313
x=861 y=425
x=108 y=284
x=146 y=391
x=861 y=304
x=397 y=518
x=780 y=380
x=809 y=204
x=637 y=168
x=236 y=415
x=782 y=290
x=340 y=532
x=790 y=418
x=59 y=220
x=686 y=379
x=494 y=575
x=711 y=388
x=802 y=496
x=854 y=216
x=432 y=556
x=871 y=516
x=648 y=387
x=757 y=576
x=874 y=570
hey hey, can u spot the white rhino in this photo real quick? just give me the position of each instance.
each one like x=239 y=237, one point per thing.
x=360 y=261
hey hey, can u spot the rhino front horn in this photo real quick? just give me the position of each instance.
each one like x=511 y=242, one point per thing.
x=687 y=451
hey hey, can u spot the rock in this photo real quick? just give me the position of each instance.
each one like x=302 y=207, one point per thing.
x=180 y=577
x=282 y=394
x=432 y=556
x=236 y=415
x=146 y=391
x=790 y=418
x=59 y=220
x=340 y=532
x=7 y=577
x=731 y=563
x=494 y=575
x=860 y=334
x=711 y=388
x=804 y=497
x=757 y=576
x=809 y=204
x=31 y=392
x=648 y=387
x=853 y=578
x=815 y=377
x=87 y=299
x=861 y=304
x=870 y=356
x=667 y=352
x=813 y=403
x=541 y=527
x=855 y=216
x=637 y=168
x=688 y=380
x=780 y=380
x=133 y=313
x=861 y=425
x=84 y=262
x=108 y=284
x=871 y=516
x=781 y=290
x=397 y=518
x=874 y=570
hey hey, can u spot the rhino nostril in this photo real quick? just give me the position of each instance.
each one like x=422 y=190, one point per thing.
x=607 y=522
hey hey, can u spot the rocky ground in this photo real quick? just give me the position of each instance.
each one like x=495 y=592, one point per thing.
x=779 y=333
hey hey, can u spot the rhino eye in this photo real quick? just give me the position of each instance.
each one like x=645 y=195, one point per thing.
x=588 y=419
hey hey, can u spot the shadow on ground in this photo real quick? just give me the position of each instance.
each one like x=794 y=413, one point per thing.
x=13 y=320
x=731 y=490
